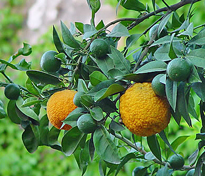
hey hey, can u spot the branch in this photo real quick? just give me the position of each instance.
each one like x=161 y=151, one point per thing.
x=137 y=21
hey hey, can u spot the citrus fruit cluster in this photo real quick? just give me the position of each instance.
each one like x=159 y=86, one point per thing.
x=60 y=105
x=142 y=111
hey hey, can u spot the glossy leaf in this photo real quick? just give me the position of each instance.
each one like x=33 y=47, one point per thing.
x=182 y=103
x=171 y=92
x=44 y=130
x=131 y=40
x=125 y=159
x=154 y=146
x=194 y=76
x=120 y=62
x=162 y=53
x=103 y=93
x=57 y=42
x=164 y=171
x=106 y=105
x=43 y=78
x=199 y=89
x=12 y=113
x=199 y=165
x=96 y=77
x=176 y=143
x=71 y=140
x=105 y=147
x=2 y=111
x=67 y=37
x=119 y=31
x=53 y=135
x=26 y=112
x=94 y=5
x=132 y=5
x=30 y=140
x=199 y=39
x=197 y=57
x=152 y=66
x=164 y=40
x=116 y=126
x=163 y=23
x=31 y=87
x=97 y=113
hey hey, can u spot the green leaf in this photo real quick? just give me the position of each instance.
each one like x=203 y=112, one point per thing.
x=191 y=107
x=164 y=138
x=94 y=5
x=194 y=76
x=89 y=30
x=30 y=140
x=116 y=126
x=188 y=31
x=8 y=64
x=199 y=88
x=2 y=111
x=119 y=31
x=171 y=92
x=172 y=53
x=119 y=60
x=102 y=168
x=152 y=66
x=176 y=143
x=182 y=103
x=67 y=37
x=154 y=146
x=97 y=113
x=200 y=136
x=96 y=77
x=43 y=78
x=162 y=53
x=23 y=65
x=105 y=65
x=44 y=130
x=53 y=135
x=72 y=118
x=199 y=39
x=132 y=5
x=199 y=164
x=57 y=42
x=26 y=50
x=79 y=26
x=112 y=89
x=197 y=57
x=132 y=39
x=164 y=171
x=125 y=159
x=82 y=87
x=30 y=101
x=12 y=113
x=164 y=40
x=31 y=87
x=105 y=147
x=27 y=112
x=106 y=105
x=71 y=141
x=163 y=23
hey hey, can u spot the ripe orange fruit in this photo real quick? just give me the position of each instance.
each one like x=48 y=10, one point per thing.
x=49 y=63
x=12 y=91
x=142 y=111
x=99 y=48
x=59 y=106
x=178 y=69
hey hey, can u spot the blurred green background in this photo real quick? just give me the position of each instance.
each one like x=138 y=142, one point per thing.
x=15 y=160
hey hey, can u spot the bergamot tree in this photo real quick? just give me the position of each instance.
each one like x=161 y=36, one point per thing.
x=98 y=101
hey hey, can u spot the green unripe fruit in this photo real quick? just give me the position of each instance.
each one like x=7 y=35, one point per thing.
x=139 y=171
x=12 y=91
x=86 y=124
x=157 y=86
x=176 y=161
x=99 y=48
x=178 y=69
x=49 y=63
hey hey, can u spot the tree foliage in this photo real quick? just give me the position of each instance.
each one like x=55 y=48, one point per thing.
x=102 y=81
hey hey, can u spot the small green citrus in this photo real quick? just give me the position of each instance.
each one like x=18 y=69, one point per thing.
x=178 y=69
x=139 y=171
x=77 y=99
x=49 y=63
x=86 y=124
x=12 y=91
x=176 y=161
x=157 y=86
x=99 y=48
